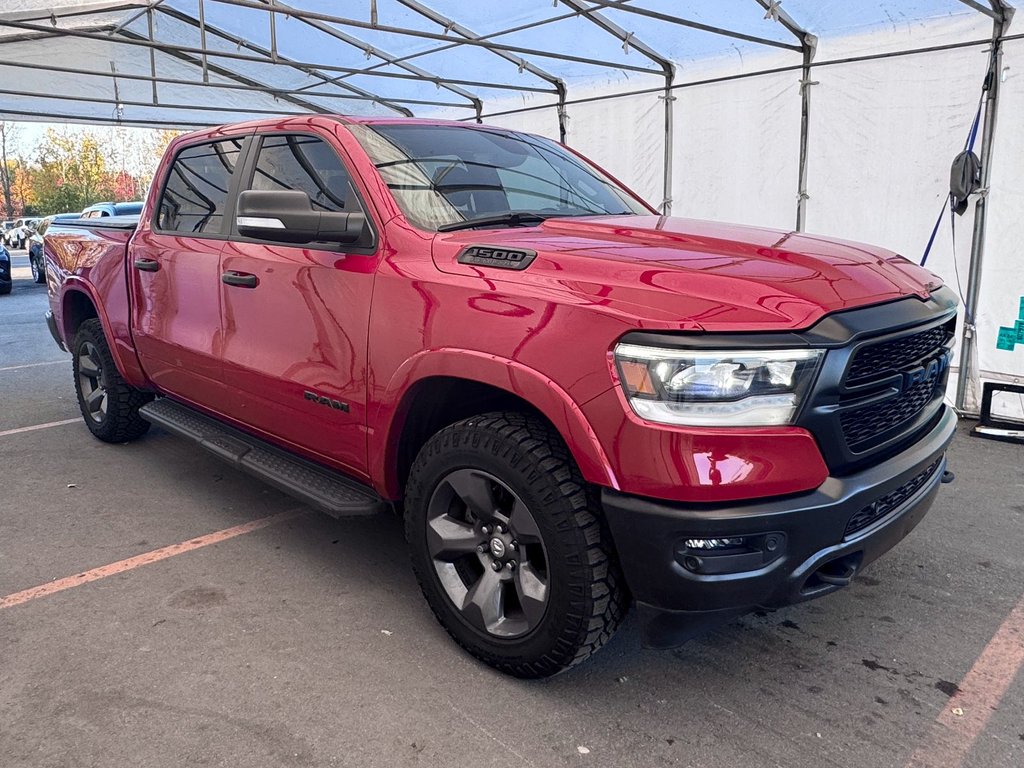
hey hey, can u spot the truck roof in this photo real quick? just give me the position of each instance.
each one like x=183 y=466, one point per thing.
x=292 y=122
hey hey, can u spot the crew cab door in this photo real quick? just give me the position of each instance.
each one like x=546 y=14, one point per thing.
x=295 y=318
x=174 y=263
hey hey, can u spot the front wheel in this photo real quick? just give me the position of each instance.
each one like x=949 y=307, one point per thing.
x=507 y=547
x=109 y=405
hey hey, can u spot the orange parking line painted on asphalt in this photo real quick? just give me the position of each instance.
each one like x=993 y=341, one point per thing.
x=33 y=428
x=156 y=555
x=968 y=711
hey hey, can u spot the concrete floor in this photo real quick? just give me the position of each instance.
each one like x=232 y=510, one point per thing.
x=307 y=642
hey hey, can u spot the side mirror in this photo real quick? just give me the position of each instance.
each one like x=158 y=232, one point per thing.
x=287 y=216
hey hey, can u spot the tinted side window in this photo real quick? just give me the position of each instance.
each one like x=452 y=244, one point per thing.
x=304 y=163
x=196 y=190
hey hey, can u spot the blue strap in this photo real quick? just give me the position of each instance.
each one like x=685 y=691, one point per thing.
x=968 y=147
x=974 y=127
x=935 y=231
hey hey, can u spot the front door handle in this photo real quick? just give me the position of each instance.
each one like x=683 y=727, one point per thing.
x=241 y=279
x=147 y=265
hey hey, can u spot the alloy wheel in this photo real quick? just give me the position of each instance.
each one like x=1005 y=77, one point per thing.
x=488 y=553
x=91 y=382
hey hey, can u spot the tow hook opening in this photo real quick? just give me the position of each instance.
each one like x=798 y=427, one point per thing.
x=834 y=574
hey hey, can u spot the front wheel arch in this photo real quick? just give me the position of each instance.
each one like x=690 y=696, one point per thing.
x=536 y=392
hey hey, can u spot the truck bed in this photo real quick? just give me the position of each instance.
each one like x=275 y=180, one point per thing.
x=129 y=223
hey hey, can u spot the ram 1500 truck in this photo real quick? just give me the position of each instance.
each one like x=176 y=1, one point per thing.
x=574 y=402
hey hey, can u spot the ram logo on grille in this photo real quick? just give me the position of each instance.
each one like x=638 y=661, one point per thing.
x=925 y=373
x=502 y=258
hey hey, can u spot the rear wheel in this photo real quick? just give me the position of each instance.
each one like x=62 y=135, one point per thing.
x=507 y=547
x=109 y=405
x=38 y=270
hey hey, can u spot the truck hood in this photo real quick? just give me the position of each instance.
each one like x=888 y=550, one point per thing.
x=691 y=275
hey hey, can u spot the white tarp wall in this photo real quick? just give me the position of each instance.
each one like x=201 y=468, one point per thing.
x=882 y=135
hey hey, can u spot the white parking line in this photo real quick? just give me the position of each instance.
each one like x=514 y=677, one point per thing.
x=19 y=430
x=31 y=365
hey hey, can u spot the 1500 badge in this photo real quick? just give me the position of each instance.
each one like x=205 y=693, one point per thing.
x=492 y=256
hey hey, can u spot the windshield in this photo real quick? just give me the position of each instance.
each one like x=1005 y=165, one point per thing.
x=441 y=175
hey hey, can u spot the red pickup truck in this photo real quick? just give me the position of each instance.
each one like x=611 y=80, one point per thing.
x=574 y=402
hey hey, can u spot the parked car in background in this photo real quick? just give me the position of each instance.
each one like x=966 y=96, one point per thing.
x=20 y=235
x=97 y=210
x=7 y=226
x=35 y=245
x=5 y=271
x=9 y=232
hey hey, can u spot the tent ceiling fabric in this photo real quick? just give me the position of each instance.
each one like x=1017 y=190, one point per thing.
x=198 y=62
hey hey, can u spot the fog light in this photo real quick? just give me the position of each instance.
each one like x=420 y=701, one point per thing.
x=712 y=544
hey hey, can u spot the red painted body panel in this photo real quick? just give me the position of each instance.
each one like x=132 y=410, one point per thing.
x=704 y=465
x=366 y=329
x=92 y=262
x=176 y=315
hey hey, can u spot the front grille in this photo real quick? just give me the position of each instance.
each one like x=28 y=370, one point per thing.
x=891 y=501
x=862 y=425
x=866 y=421
x=879 y=360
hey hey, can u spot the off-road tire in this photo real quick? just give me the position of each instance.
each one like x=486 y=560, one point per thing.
x=587 y=597
x=121 y=422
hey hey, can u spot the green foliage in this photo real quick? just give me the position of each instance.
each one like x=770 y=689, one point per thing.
x=71 y=172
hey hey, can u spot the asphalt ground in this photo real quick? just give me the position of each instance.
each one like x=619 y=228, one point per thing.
x=304 y=641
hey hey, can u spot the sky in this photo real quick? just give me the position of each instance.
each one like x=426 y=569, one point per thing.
x=29 y=134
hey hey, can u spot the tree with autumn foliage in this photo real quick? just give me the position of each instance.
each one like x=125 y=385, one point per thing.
x=74 y=168
x=70 y=172
x=9 y=171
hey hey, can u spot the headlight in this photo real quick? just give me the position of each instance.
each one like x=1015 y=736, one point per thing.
x=708 y=388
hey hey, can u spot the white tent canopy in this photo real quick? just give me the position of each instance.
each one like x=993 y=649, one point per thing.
x=840 y=116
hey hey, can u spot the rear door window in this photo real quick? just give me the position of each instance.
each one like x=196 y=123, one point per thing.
x=196 y=192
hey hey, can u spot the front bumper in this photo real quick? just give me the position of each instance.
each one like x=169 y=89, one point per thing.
x=801 y=547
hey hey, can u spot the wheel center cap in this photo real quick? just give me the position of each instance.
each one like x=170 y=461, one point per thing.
x=497 y=547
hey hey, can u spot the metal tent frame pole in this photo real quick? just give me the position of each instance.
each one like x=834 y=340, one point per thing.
x=372 y=50
x=807 y=48
x=418 y=33
x=533 y=69
x=1002 y=14
x=667 y=70
x=268 y=90
x=141 y=41
x=272 y=58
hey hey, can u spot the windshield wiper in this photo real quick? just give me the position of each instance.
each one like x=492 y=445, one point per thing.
x=512 y=219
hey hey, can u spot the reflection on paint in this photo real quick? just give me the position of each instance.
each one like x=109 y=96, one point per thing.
x=715 y=468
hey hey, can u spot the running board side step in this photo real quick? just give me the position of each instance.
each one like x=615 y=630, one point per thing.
x=318 y=486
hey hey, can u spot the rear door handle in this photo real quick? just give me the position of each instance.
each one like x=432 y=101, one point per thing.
x=147 y=265
x=241 y=279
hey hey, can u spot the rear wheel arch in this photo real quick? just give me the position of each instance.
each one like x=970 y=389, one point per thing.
x=77 y=307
